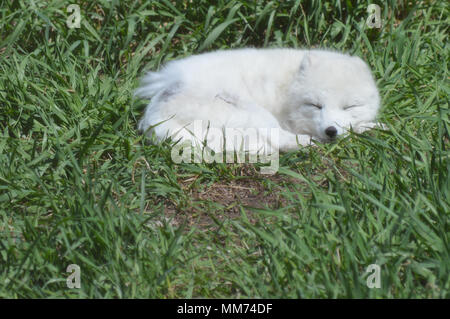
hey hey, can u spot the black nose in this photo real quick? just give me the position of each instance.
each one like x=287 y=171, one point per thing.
x=331 y=131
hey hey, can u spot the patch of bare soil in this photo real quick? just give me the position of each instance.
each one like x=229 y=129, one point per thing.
x=214 y=203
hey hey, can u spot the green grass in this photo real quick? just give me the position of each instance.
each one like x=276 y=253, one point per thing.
x=79 y=185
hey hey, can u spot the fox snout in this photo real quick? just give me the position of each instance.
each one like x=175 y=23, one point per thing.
x=331 y=131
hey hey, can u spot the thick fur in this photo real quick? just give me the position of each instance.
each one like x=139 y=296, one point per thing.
x=302 y=93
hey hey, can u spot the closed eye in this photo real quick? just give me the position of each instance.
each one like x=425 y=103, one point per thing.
x=315 y=105
x=352 y=106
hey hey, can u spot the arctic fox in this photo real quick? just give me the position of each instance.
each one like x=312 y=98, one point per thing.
x=304 y=94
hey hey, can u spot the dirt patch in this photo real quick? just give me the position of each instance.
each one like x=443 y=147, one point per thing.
x=216 y=202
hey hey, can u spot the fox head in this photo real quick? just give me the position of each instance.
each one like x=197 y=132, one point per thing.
x=330 y=94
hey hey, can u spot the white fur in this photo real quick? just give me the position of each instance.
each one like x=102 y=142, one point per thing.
x=261 y=89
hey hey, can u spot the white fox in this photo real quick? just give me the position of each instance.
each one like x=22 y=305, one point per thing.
x=304 y=94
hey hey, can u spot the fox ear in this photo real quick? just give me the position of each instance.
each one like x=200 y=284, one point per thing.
x=307 y=61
